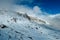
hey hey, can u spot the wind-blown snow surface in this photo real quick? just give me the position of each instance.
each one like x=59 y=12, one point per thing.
x=18 y=26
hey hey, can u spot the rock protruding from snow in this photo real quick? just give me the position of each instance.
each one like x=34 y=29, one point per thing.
x=18 y=26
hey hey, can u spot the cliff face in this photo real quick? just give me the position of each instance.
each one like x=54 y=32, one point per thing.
x=18 y=26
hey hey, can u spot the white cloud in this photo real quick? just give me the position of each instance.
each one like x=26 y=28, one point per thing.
x=6 y=4
x=53 y=20
x=37 y=9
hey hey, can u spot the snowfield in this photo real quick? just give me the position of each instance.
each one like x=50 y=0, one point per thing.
x=18 y=26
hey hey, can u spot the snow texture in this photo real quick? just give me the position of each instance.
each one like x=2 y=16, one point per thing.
x=18 y=26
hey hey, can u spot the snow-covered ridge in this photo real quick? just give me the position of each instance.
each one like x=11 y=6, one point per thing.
x=25 y=15
x=18 y=26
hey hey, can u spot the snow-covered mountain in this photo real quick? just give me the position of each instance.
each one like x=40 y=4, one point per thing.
x=19 y=26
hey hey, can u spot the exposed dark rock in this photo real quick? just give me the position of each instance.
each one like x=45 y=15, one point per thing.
x=26 y=16
x=30 y=38
x=9 y=36
x=57 y=38
x=36 y=28
x=20 y=14
x=3 y=26
x=14 y=19
x=31 y=28
x=17 y=32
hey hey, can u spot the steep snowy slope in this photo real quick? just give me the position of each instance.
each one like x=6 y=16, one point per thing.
x=18 y=26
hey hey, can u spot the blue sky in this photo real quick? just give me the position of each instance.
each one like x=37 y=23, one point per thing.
x=49 y=6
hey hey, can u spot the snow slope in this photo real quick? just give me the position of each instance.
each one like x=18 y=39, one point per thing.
x=18 y=26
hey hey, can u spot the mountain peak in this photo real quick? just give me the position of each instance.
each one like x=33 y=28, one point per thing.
x=21 y=26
